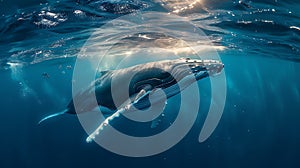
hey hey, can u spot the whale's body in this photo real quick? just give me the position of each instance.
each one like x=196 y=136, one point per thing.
x=169 y=76
x=161 y=74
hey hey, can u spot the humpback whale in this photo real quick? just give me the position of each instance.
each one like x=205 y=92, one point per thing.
x=147 y=79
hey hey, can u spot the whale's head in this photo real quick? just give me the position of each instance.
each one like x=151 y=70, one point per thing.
x=183 y=67
x=163 y=74
x=172 y=76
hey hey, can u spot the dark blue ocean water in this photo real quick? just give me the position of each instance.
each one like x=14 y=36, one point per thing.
x=258 y=42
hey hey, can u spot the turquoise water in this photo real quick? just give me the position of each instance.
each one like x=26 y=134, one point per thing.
x=258 y=42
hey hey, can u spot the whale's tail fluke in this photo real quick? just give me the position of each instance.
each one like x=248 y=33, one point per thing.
x=53 y=115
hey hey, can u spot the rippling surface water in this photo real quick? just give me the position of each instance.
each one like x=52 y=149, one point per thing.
x=65 y=25
x=258 y=41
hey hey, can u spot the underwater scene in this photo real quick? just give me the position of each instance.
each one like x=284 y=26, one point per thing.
x=150 y=83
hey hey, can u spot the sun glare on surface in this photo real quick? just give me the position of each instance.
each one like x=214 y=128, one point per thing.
x=178 y=6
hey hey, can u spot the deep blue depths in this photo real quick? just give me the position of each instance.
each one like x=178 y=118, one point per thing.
x=260 y=124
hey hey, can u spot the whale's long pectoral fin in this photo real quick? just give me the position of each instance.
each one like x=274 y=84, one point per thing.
x=92 y=136
x=145 y=91
x=126 y=108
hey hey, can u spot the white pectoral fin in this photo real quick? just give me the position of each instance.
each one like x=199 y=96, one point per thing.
x=144 y=92
x=140 y=95
x=126 y=107
x=92 y=136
